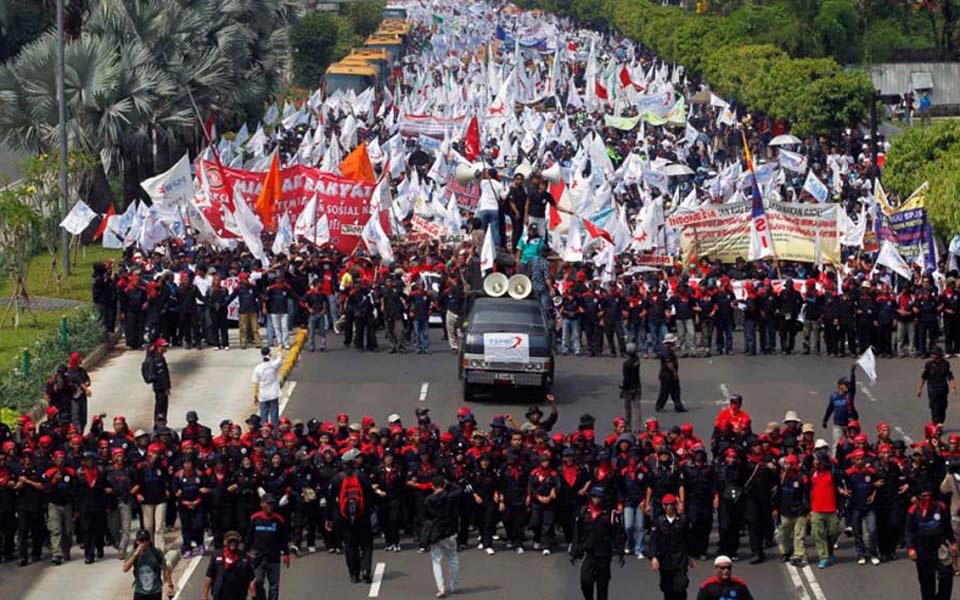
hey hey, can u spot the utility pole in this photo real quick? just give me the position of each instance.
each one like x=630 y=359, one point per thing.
x=62 y=106
x=874 y=98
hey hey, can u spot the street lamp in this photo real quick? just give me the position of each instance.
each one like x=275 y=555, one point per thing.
x=62 y=107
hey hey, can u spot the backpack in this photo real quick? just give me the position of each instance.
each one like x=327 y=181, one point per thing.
x=148 y=370
x=351 y=498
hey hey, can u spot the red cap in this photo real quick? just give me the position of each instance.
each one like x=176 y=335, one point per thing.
x=116 y=452
x=56 y=453
x=462 y=411
x=343 y=417
x=76 y=439
x=395 y=429
x=953 y=439
x=929 y=430
x=856 y=454
x=446 y=438
x=860 y=438
x=557 y=438
x=103 y=444
x=669 y=499
x=411 y=432
x=186 y=444
x=366 y=423
x=730 y=452
x=652 y=423
x=155 y=447
x=686 y=428
x=792 y=461
x=290 y=437
x=545 y=455
x=119 y=419
x=853 y=423
x=619 y=421
x=52 y=411
x=882 y=426
x=46 y=440
x=588 y=434
x=285 y=421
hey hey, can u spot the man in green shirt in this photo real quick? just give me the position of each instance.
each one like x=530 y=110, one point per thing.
x=529 y=248
x=151 y=571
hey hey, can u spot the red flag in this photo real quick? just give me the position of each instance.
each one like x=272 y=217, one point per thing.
x=601 y=91
x=103 y=223
x=596 y=232
x=625 y=80
x=556 y=190
x=571 y=47
x=555 y=219
x=266 y=206
x=471 y=143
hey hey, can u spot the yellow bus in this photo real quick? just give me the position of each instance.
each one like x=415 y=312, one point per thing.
x=393 y=44
x=374 y=56
x=356 y=77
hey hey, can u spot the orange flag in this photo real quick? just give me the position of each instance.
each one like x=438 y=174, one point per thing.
x=357 y=165
x=266 y=206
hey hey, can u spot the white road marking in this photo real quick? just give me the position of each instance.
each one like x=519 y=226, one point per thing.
x=377 y=579
x=798 y=582
x=724 y=390
x=905 y=437
x=812 y=582
x=285 y=394
x=194 y=563
x=423 y=391
x=866 y=390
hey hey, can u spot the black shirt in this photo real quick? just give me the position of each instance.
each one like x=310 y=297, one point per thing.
x=936 y=372
x=229 y=582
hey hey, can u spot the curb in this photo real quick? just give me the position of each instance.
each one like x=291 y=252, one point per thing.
x=293 y=355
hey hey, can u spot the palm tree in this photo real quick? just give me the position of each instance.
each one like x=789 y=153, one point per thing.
x=130 y=76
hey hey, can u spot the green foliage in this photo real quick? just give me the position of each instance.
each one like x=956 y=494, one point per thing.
x=312 y=41
x=21 y=22
x=830 y=104
x=929 y=153
x=21 y=393
x=838 y=25
x=364 y=17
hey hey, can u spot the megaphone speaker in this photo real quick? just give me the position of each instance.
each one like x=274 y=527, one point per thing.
x=496 y=285
x=519 y=286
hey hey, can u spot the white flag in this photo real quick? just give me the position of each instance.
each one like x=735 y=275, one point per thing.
x=78 y=218
x=792 y=161
x=284 y=238
x=487 y=253
x=852 y=233
x=323 y=231
x=573 y=250
x=112 y=236
x=172 y=187
x=868 y=362
x=815 y=187
x=249 y=227
x=890 y=258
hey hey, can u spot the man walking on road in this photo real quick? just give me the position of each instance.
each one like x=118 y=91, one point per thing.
x=266 y=542
x=156 y=372
x=351 y=497
x=266 y=387
x=630 y=386
x=597 y=537
x=229 y=573
x=937 y=375
x=440 y=532
x=150 y=570
x=668 y=549
x=723 y=585
x=931 y=545
x=669 y=375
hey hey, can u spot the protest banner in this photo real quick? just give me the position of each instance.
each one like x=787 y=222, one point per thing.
x=722 y=232
x=346 y=202
x=467 y=195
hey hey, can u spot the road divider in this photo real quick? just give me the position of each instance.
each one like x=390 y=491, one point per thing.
x=377 y=579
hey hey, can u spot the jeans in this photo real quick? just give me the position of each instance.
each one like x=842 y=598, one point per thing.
x=490 y=218
x=281 y=329
x=421 y=335
x=332 y=313
x=270 y=411
x=657 y=331
x=571 y=335
x=905 y=338
x=864 y=532
x=269 y=572
x=633 y=527
x=725 y=335
x=440 y=550
x=317 y=325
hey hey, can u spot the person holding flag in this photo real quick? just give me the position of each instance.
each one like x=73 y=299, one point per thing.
x=761 y=242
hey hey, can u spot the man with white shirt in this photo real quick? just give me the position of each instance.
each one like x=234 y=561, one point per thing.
x=266 y=387
x=488 y=207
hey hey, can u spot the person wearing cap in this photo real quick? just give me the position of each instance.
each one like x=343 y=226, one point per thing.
x=250 y=306
x=266 y=386
x=90 y=504
x=60 y=485
x=318 y=307
x=889 y=502
x=931 y=545
x=630 y=387
x=512 y=496
x=119 y=485
x=156 y=372
x=542 y=494
x=669 y=376
x=189 y=488
x=535 y=416
x=597 y=538
x=937 y=376
x=574 y=484
x=194 y=429
x=151 y=573
x=699 y=496
x=351 y=497
x=825 y=481
x=30 y=489
x=266 y=543
x=229 y=572
x=860 y=486
x=792 y=503
x=723 y=585
x=668 y=550
x=841 y=405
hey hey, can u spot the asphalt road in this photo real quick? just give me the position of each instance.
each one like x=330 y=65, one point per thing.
x=379 y=384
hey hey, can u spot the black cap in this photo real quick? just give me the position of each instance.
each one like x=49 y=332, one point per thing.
x=192 y=416
x=265 y=351
x=226 y=423
x=268 y=499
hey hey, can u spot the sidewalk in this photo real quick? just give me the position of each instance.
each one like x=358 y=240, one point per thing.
x=214 y=383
